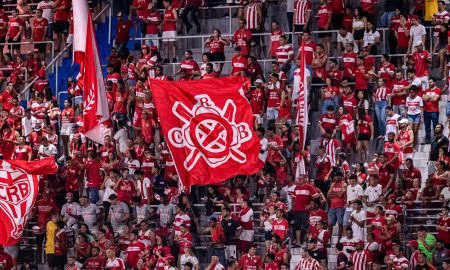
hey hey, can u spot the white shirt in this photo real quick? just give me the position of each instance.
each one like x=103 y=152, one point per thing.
x=296 y=84
x=109 y=184
x=142 y=186
x=373 y=194
x=186 y=258
x=347 y=39
x=353 y=192
x=370 y=37
x=27 y=126
x=264 y=143
x=72 y=208
x=359 y=232
x=143 y=212
x=47 y=151
x=390 y=126
x=417 y=32
x=446 y=193
x=121 y=137
x=413 y=105
x=47 y=10
x=89 y=215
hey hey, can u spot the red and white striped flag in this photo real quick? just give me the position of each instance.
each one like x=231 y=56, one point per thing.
x=302 y=111
x=95 y=105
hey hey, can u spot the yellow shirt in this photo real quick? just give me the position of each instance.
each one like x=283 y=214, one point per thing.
x=431 y=7
x=51 y=232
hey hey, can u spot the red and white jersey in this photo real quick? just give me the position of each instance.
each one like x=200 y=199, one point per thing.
x=190 y=66
x=179 y=220
x=405 y=138
x=400 y=263
x=74 y=267
x=248 y=262
x=301 y=8
x=246 y=218
x=360 y=260
x=116 y=264
x=331 y=146
x=252 y=15
x=382 y=93
x=440 y=17
x=283 y=53
x=413 y=260
x=307 y=264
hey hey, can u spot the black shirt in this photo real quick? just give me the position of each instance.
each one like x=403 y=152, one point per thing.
x=230 y=227
x=436 y=144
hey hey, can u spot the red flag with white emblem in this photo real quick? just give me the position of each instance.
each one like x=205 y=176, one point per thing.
x=208 y=127
x=95 y=104
x=19 y=182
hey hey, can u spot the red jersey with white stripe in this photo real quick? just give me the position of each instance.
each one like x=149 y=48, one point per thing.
x=275 y=41
x=280 y=227
x=14 y=26
x=390 y=149
x=283 y=53
x=360 y=259
x=301 y=7
x=323 y=166
x=147 y=167
x=248 y=262
x=400 y=263
x=349 y=102
x=133 y=252
x=308 y=264
x=95 y=263
x=314 y=217
x=181 y=219
x=116 y=264
x=368 y=6
x=349 y=60
x=22 y=152
x=328 y=121
x=257 y=101
x=238 y=64
x=274 y=98
x=252 y=15
x=337 y=6
x=125 y=191
x=190 y=66
x=403 y=35
x=364 y=125
x=303 y=194
x=243 y=38
x=382 y=93
x=323 y=16
x=397 y=84
x=216 y=46
x=331 y=146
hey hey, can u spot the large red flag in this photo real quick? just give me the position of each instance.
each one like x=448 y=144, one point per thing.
x=18 y=190
x=302 y=111
x=95 y=104
x=208 y=128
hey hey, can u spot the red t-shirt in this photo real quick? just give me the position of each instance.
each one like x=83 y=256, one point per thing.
x=349 y=60
x=248 y=262
x=431 y=106
x=169 y=17
x=190 y=66
x=133 y=252
x=402 y=38
x=238 y=64
x=39 y=29
x=3 y=22
x=280 y=227
x=154 y=17
x=140 y=6
x=123 y=30
x=121 y=100
x=14 y=26
x=324 y=13
x=125 y=191
x=364 y=125
x=397 y=84
x=243 y=38
x=420 y=60
x=385 y=175
x=360 y=80
x=442 y=235
x=63 y=14
x=303 y=194
x=390 y=149
x=328 y=121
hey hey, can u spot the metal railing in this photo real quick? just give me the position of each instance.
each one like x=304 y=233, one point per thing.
x=11 y=44
x=66 y=49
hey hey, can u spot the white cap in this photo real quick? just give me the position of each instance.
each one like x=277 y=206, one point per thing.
x=404 y=121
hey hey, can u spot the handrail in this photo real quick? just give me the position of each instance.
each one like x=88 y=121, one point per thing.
x=58 y=56
x=10 y=44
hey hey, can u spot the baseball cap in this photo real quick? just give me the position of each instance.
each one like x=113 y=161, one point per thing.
x=169 y=258
x=36 y=50
x=119 y=14
x=38 y=128
x=144 y=47
x=258 y=81
x=69 y=195
x=413 y=243
x=404 y=121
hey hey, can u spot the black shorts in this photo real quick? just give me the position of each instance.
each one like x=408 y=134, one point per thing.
x=216 y=57
x=301 y=220
x=363 y=137
x=299 y=28
x=255 y=38
x=51 y=260
x=59 y=261
x=41 y=47
x=324 y=35
x=2 y=40
x=15 y=46
x=61 y=27
x=359 y=34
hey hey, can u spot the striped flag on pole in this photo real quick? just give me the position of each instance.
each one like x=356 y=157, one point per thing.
x=302 y=111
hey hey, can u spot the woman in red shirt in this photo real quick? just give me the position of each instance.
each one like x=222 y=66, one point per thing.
x=364 y=133
x=216 y=46
x=347 y=128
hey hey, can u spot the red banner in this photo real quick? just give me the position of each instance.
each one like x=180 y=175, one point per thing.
x=18 y=191
x=208 y=126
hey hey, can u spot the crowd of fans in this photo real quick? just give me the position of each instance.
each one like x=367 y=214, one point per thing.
x=120 y=205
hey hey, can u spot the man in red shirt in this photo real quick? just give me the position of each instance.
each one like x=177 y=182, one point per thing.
x=386 y=174
x=92 y=167
x=123 y=31
x=39 y=29
x=243 y=37
x=431 y=98
x=280 y=226
x=3 y=27
x=398 y=95
x=61 y=24
x=16 y=26
x=120 y=108
x=324 y=15
x=328 y=120
x=309 y=49
x=134 y=250
x=190 y=65
x=251 y=261
x=421 y=60
x=238 y=62
x=153 y=19
x=22 y=151
x=392 y=151
x=95 y=261
x=303 y=194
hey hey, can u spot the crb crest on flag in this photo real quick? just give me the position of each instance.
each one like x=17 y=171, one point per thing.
x=208 y=126
x=18 y=190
